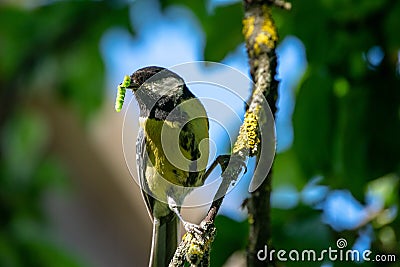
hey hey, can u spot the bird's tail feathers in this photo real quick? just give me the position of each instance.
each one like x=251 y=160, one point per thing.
x=165 y=240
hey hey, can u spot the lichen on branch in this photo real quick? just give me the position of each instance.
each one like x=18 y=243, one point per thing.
x=261 y=39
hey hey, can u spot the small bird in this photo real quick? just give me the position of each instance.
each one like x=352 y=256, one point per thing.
x=172 y=150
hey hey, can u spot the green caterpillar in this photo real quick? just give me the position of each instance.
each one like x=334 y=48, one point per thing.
x=119 y=101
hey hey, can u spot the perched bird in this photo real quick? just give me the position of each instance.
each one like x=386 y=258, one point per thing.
x=172 y=150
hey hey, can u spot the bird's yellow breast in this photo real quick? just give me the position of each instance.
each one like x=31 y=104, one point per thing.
x=177 y=151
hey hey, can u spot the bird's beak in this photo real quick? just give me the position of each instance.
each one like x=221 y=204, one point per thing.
x=127 y=83
x=133 y=87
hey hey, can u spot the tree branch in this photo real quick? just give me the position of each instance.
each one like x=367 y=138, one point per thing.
x=261 y=38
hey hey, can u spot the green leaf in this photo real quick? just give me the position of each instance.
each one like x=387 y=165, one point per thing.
x=223 y=27
x=392 y=20
x=15 y=40
x=344 y=10
x=223 y=31
x=385 y=189
x=42 y=253
x=36 y=246
x=351 y=143
x=199 y=8
x=231 y=237
x=79 y=66
x=25 y=135
x=8 y=254
x=284 y=175
x=299 y=229
x=67 y=34
x=313 y=30
x=50 y=173
x=313 y=123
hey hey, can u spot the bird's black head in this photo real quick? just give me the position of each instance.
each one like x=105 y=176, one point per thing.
x=149 y=75
x=157 y=90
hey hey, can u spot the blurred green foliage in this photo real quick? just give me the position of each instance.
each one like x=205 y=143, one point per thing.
x=62 y=41
x=347 y=115
x=346 y=119
x=222 y=28
x=48 y=50
x=26 y=172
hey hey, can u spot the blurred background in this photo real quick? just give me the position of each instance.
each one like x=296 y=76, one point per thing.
x=66 y=195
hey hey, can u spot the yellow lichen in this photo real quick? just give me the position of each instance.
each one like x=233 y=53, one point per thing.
x=269 y=27
x=194 y=254
x=268 y=35
x=198 y=246
x=248 y=26
x=248 y=136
